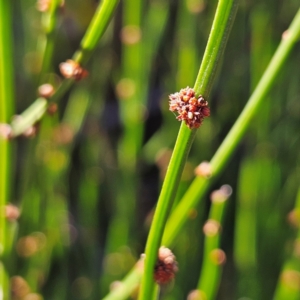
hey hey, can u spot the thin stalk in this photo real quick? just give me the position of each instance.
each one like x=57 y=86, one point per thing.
x=200 y=185
x=95 y=30
x=89 y=42
x=49 y=20
x=216 y=44
x=213 y=257
x=6 y=110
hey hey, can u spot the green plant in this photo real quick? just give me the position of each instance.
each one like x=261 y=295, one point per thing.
x=78 y=198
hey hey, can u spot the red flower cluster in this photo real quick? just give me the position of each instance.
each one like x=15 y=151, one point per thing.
x=166 y=266
x=190 y=109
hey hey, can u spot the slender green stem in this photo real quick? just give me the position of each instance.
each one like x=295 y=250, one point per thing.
x=221 y=27
x=212 y=258
x=30 y=116
x=89 y=42
x=6 y=110
x=216 y=44
x=49 y=20
x=130 y=282
x=200 y=185
x=95 y=31
x=168 y=192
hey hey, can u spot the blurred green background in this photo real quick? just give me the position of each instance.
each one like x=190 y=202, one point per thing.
x=86 y=184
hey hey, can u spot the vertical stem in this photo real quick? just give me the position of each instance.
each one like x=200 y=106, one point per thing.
x=212 y=258
x=49 y=20
x=221 y=26
x=6 y=108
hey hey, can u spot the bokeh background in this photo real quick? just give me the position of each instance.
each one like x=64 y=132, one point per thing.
x=87 y=183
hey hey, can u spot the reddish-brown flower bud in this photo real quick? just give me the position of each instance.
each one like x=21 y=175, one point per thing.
x=12 y=212
x=5 y=131
x=46 y=90
x=52 y=109
x=72 y=69
x=190 y=109
x=166 y=266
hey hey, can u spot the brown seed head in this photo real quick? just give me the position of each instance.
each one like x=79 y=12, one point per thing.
x=218 y=257
x=294 y=218
x=204 y=170
x=19 y=287
x=52 y=109
x=72 y=69
x=166 y=266
x=5 y=131
x=31 y=131
x=12 y=212
x=211 y=228
x=131 y=34
x=190 y=109
x=43 y=5
x=221 y=195
x=291 y=279
x=196 y=295
x=46 y=90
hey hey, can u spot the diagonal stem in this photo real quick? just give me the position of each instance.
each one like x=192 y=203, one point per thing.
x=222 y=24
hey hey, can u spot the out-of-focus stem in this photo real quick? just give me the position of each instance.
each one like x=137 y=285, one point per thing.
x=213 y=257
x=89 y=42
x=6 y=110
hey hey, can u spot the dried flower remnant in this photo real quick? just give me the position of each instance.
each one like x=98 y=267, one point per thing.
x=204 y=170
x=46 y=90
x=211 y=228
x=31 y=131
x=218 y=257
x=52 y=109
x=19 y=287
x=5 y=131
x=221 y=195
x=43 y=5
x=166 y=266
x=72 y=69
x=131 y=34
x=190 y=108
x=196 y=295
x=12 y=212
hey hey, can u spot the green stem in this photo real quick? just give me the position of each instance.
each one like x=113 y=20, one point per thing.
x=211 y=267
x=215 y=47
x=95 y=31
x=89 y=42
x=221 y=27
x=30 y=116
x=168 y=192
x=6 y=110
x=49 y=20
